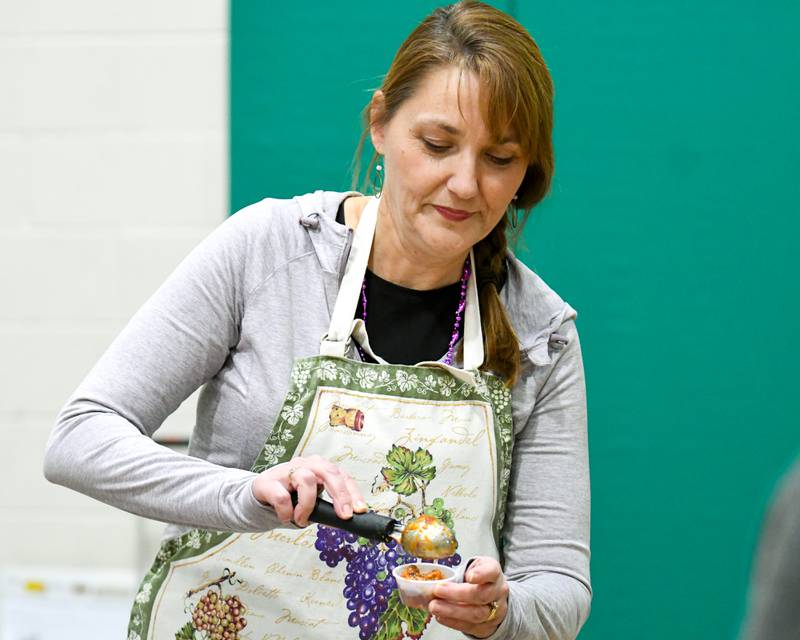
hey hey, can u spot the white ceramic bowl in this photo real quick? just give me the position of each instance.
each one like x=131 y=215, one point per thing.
x=418 y=593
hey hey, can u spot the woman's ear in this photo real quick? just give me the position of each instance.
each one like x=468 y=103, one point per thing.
x=377 y=109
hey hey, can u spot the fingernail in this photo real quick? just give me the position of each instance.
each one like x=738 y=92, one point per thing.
x=361 y=506
x=348 y=511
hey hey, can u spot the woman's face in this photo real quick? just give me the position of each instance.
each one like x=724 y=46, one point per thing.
x=447 y=183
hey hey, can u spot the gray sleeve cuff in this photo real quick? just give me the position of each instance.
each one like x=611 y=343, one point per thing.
x=240 y=509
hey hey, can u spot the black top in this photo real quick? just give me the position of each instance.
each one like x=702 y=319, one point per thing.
x=407 y=326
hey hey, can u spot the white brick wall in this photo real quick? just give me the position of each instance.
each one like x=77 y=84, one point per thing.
x=113 y=164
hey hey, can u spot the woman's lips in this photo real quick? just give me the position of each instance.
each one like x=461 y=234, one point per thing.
x=456 y=215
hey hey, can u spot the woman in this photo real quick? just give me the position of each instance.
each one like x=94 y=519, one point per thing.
x=463 y=124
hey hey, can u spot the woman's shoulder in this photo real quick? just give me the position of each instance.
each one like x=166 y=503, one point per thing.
x=264 y=237
x=282 y=224
x=284 y=215
x=539 y=315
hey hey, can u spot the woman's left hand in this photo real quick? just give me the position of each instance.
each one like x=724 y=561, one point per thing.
x=479 y=604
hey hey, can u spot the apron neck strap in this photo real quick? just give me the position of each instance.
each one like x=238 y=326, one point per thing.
x=342 y=326
x=473 y=333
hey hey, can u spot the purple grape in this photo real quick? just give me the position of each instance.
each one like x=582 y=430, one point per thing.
x=368 y=581
x=329 y=544
x=452 y=561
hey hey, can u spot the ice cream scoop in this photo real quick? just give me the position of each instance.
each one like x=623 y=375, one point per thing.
x=423 y=537
x=428 y=537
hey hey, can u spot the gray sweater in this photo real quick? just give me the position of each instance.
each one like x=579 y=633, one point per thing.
x=252 y=297
x=774 y=613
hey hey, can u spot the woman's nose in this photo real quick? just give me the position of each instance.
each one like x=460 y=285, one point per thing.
x=463 y=181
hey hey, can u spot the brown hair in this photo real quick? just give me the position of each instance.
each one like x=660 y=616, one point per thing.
x=483 y=40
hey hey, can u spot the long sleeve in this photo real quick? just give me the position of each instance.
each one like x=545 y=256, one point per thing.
x=180 y=339
x=547 y=529
x=775 y=586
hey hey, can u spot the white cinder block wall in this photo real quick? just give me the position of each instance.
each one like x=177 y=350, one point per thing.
x=113 y=165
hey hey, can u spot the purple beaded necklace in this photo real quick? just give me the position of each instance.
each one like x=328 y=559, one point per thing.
x=462 y=303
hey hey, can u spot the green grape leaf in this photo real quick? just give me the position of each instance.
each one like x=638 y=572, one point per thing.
x=422 y=465
x=408 y=471
x=186 y=632
x=400 y=457
x=390 y=625
x=402 y=482
x=416 y=620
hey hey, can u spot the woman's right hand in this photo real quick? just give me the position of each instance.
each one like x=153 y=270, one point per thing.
x=307 y=475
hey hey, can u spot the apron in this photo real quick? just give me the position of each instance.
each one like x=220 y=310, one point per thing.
x=428 y=438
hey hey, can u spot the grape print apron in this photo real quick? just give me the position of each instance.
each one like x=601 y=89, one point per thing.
x=428 y=438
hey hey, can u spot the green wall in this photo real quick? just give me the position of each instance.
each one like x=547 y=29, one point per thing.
x=671 y=227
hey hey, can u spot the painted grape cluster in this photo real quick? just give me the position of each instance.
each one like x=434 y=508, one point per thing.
x=369 y=582
x=220 y=617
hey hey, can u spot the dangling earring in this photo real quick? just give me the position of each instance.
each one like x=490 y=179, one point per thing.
x=379 y=180
x=511 y=212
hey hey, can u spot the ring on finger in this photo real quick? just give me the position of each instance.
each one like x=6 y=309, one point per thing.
x=291 y=471
x=493 y=607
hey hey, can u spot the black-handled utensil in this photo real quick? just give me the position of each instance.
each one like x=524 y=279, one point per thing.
x=423 y=537
x=370 y=525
